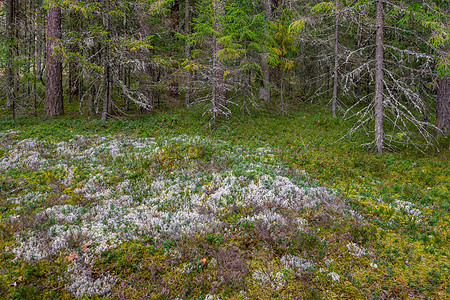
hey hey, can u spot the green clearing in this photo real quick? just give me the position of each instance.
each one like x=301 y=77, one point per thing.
x=382 y=235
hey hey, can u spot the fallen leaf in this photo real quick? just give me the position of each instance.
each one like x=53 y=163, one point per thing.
x=71 y=256
x=85 y=246
x=20 y=278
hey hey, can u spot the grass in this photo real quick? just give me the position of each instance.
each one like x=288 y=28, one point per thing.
x=162 y=207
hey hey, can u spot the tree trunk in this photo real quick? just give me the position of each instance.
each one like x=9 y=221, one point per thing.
x=74 y=69
x=107 y=89
x=91 y=84
x=187 y=52
x=10 y=101
x=336 y=64
x=34 y=42
x=443 y=105
x=145 y=78
x=283 y=105
x=106 y=95
x=53 y=86
x=175 y=20
x=264 y=92
x=175 y=16
x=218 y=88
x=379 y=134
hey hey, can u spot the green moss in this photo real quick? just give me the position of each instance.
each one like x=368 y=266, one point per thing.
x=411 y=257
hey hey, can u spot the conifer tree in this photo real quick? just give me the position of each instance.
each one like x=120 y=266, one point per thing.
x=53 y=86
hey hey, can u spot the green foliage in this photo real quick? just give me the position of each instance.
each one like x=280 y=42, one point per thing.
x=327 y=7
x=393 y=206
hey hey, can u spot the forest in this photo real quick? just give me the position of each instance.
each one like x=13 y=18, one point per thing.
x=224 y=149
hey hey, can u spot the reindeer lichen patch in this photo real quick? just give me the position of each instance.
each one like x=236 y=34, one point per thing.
x=193 y=217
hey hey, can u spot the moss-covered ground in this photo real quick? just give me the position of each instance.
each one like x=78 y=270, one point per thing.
x=264 y=207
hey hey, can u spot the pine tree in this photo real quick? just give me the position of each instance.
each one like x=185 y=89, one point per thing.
x=53 y=87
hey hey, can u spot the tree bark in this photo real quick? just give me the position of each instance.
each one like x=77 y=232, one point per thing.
x=53 y=88
x=218 y=88
x=379 y=134
x=264 y=92
x=10 y=101
x=74 y=69
x=443 y=105
x=145 y=78
x=35 y=45
x=175 y=20
x=175 y=16
x=336 y=64
x=187 y=52
x=106 y=95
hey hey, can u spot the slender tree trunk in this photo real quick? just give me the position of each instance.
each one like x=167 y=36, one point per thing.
x=10 y=101
x=106 y=95
x=245 y=83
x=336 y=64
x=175 y=16
x=264 y=92
x=175 y=20
x=187 y=52
x=92 y=87
x=53 y=87
x=443 y=105
x=214 y=98
x=379 y=134
x=16 y=52
x=39 y=45
x=74 y=68
x=74 y=72
x=145 y=78
x=34 y=54
x=283 y=104
x=219 y=91
x=128 y=84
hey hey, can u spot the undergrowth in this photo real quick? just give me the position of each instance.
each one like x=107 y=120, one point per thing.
x=162 y=207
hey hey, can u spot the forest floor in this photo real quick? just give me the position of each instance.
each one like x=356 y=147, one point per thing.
x=264 y=207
